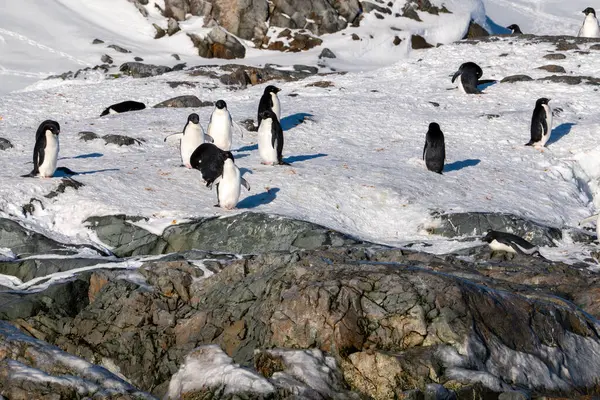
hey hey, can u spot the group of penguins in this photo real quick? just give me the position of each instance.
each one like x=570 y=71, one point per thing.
x=209 y=153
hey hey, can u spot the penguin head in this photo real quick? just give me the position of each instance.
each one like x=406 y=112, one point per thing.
x=221 y=105
x=272 y=89
x=266 y=114
x=514 y=28
x=434 y=127
x=490 y=236
x=227 y=155
x=589 y=10
x=542 y=101
x=194 y=118
x=51 y=126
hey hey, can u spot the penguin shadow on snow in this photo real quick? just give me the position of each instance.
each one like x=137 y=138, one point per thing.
x=258 y=199
x=458 y=165
x=90 y=155
x=295 y=159
x=291 y=121
x=64 y=172
x=559 y=132
x=251 y=147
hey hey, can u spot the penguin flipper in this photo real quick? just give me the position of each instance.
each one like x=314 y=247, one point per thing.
x=456 y=75
x=424 y=149
x=210 y=138
x=245 y=183
x=173 y=135
x=215 y=182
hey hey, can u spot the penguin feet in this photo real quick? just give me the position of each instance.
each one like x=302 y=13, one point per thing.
x=267 y=163
x=284 y=163
x=217 y=205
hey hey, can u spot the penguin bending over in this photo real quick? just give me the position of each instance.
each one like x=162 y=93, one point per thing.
x=269 y=101
x=209 y=159
x=541 y=123
x=45 y=151
x=509 y=243
x=122 y=107
x=515 y=30
x=468 y=74
x=590 y=26
x=434 y=151
x=229 y=184
x=220 y=126
x=191 y=138
x=270 y=139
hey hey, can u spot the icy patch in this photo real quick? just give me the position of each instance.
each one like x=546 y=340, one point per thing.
x=157 y=226
x=209 y=367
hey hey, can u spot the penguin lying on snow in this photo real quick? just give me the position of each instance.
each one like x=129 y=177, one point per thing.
x=269 y=101
x=541 y=123
x=468 y=74
x=590 y=24
x=509 y=243
x=192 y=137
x=270 y=139
x=434 y=152
x=45 y=151
x=124 y=106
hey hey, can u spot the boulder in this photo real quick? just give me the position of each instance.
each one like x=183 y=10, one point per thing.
x=139 y=70
x=326 y=53
x=184 y=101
x=118 y=48
x=217 y=43
x=553 y=68
x=555 y=56
x=419 y=42
x=5 y=144
x=475 y=31
x=516 y=78
x=121 y=140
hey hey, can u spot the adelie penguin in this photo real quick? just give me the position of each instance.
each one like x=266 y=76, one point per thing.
x=541 y=124
x=191 y=138
x=434 y=152
x=269 y=101
x=45 y=150
x=220 y=126
x=229 y=184
x=468 y=77
x=270 y=139
x=514 y=29
x=509 y=243
x=209 y=160
x=590 y=27
x=122 y=107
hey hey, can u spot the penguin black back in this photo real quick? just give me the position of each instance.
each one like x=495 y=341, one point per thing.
x=515 y=30
x=39 y=148
x=539 y=122
x=124 y=106
x=469 y=74
x=434 y=151
x=266 y=101
x=276 y=134
x=209 y=159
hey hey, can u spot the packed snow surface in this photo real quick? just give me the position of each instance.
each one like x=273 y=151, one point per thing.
x=355 y=160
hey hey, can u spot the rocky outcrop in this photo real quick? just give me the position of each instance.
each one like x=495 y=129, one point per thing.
x=217 y=43
x=139 y=70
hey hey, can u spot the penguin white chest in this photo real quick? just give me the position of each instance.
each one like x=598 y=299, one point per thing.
x=193 y=136
x=220 y=129
x=460 y=85
x=276 y=105
x=546 y=135
x=265 y=147
x=497 y=246
x=229 y=186
x=590 y=27
x=48 y=167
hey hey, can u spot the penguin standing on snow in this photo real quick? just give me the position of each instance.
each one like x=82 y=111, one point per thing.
x=590 y=27
x=434 y=152
x=209 y=159
x=541 y=123
x=514 y=29
x=219 y=127
x=45 y=151
x=270 y=139
x=509 y=243
x=191 y=138
x=269 y=101
x=468 y=74
x=229 y=184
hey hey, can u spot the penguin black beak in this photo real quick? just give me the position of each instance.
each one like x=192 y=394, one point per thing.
x=456 y=74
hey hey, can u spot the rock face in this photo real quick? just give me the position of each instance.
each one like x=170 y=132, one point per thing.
x=218 y=44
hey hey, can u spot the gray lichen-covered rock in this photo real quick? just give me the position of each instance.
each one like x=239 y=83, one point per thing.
x=218 y=44
x=516 y=78
x=139 y=70
x=121 y=140
x=318 y=16
x=184 y=101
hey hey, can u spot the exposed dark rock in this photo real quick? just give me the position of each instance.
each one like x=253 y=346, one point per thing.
x=326 y=53
x=318 y=16
x=138 y=59
x=296 y=42
x=160 y=32
x=571 y=80
x=176 y=56
x=555 y=56
x=30 y=207
x=139 y=70
x=553 y=68
x=184 y=101
x=475 y=31
x=478 y=223
x=97 y=41
x=237 y=78
x=64 y=184
x=121 y=140
x=106 y=59
x=176 y=84
x=419 y=42
x=397 y=41
x=563 y=45
x=321 y=84
x=355 y=36
x=118 y=48
x=87 y=136
x=172 y=27
x=306 y=68
x=179 y=67
x=218 y=44
x=516 y=78
x=249 y=125
x=595 y=46
x=435 y=104
x=378 y=16
x=84 y=73
x=5 y=144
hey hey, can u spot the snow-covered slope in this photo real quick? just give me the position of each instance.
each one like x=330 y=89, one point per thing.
x=356 y=162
